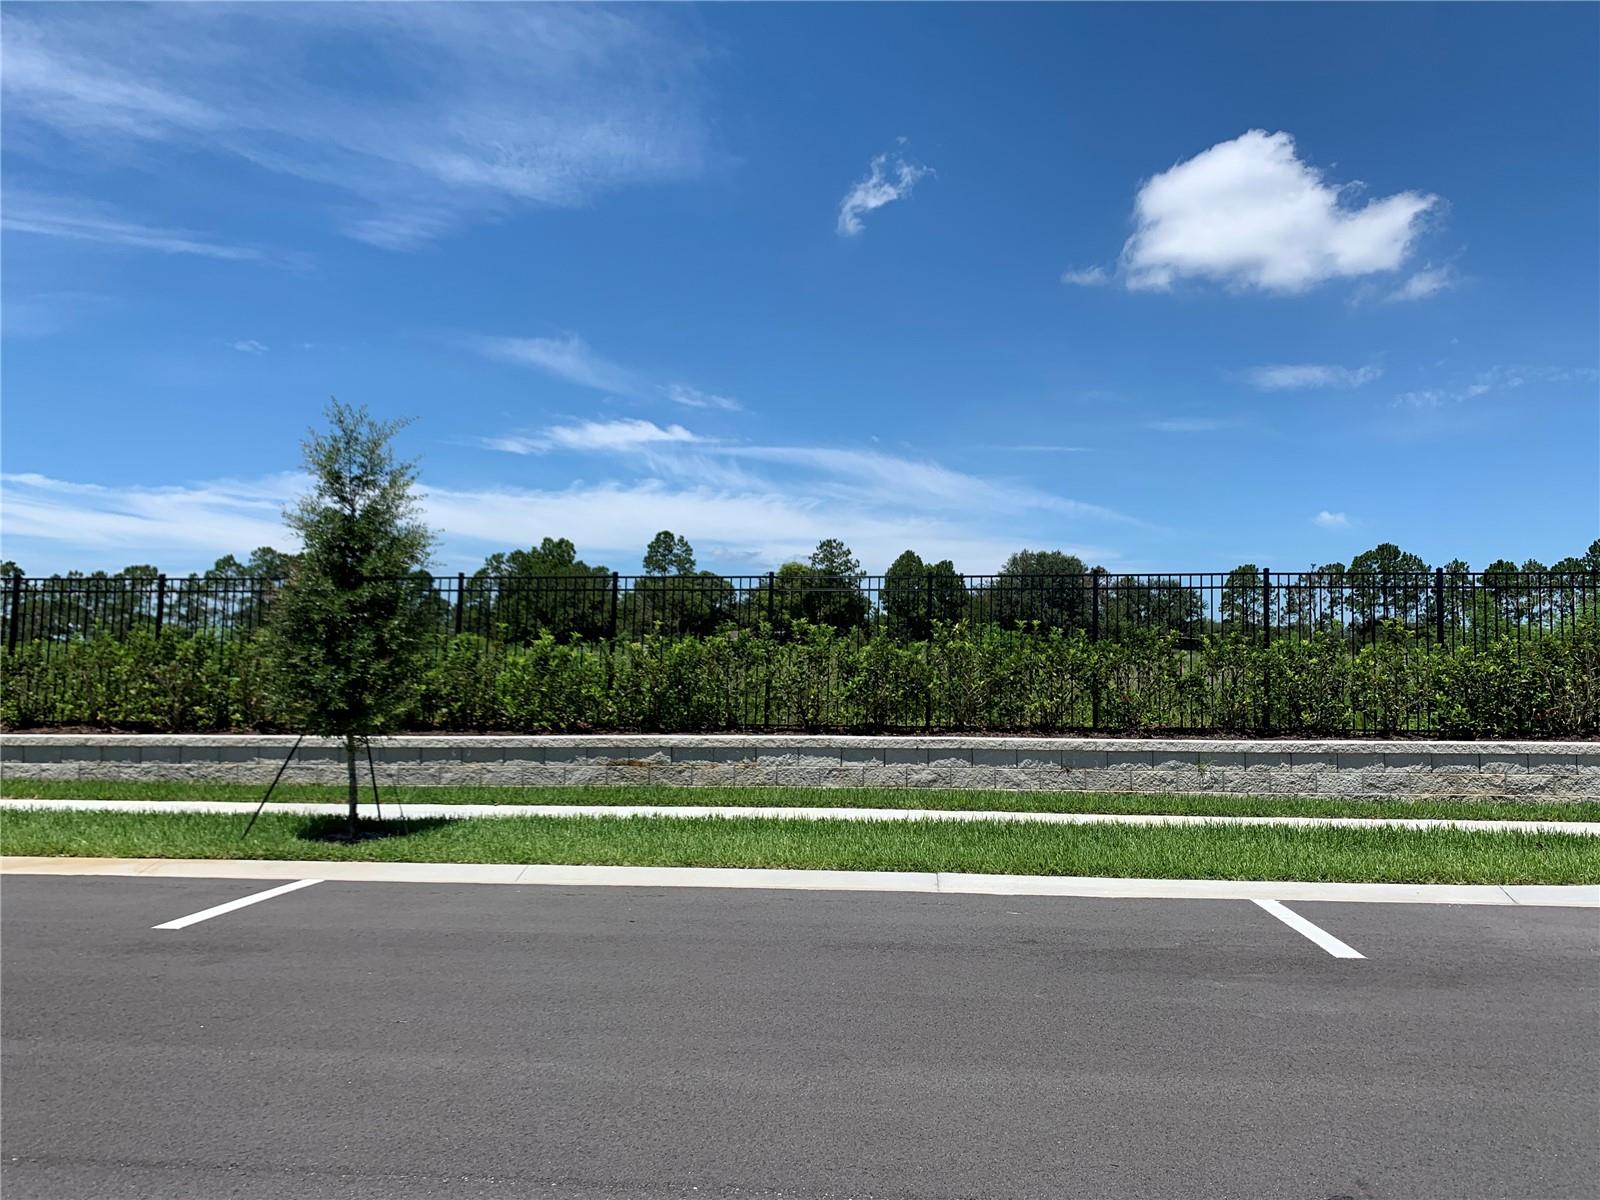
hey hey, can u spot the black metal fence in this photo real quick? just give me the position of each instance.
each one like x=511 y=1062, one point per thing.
x=1445 y=608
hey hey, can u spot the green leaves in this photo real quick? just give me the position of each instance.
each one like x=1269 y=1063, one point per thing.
x=975 y=677
x=347 y=632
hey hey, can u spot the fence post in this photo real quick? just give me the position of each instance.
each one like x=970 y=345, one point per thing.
x=1438 y=605
x=927 y=687
x=461 y=599
x=1266 y=640
x=1094 y=636
x=161 y=602
x=611 y=623
x=766 y=698
x=16 y=611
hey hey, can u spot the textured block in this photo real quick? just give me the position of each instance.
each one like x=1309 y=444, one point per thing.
x=818 y=777
x=1030 y=757
x=1130 y=758
x=750 y=773
x=884 y=776
x=787 y=758
x=983 y=756
x=538 y=774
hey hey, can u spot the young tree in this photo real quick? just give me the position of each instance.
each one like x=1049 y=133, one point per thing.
x=348 y=629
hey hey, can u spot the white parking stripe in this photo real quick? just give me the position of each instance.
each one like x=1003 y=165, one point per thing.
x=1315 y=932
x=242 y=902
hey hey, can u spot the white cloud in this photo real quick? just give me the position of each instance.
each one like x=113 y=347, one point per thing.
x=568 y=358
x=79 y=221
x=571 y=358
x=116 y=526
x=1249 y=213
x=1295 y=376
x=1086 y=277
x=1495 y=380
x=890 y=177
x=441 y=115
x=249 y=346
x=1331 y=520
x=1423 y=284
x=620 y=435
x=57 y=525
x=682 y=393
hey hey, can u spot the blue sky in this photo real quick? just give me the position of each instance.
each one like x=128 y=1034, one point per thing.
x=1171 y=287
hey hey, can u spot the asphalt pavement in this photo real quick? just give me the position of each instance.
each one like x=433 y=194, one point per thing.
x=386 y=1040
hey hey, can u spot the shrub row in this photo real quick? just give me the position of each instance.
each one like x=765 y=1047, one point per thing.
x=974 y=678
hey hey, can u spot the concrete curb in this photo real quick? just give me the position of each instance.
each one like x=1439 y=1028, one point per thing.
x=942 y=883
x=619 y=811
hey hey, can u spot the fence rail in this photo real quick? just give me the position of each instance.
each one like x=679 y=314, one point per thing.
x=1445 y=608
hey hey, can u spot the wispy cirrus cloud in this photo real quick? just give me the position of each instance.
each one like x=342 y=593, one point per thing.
x=889 y=177
x=570 y=358
x=1251 y=214
x=1422 y=284
x=621 y=435
x=682 y=393
x=77 y=220
x=1285 y=377
x=567 y=357
x=249 y=346
x=459 y=113
x=1495 y=380
x=866 y=477
x=54 y=524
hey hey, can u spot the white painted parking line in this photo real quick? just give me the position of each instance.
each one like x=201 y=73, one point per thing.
x=242 y=902
x=1315 y=932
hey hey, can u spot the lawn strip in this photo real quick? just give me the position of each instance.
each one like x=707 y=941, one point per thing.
x=1109 y=803
x=1170 y=852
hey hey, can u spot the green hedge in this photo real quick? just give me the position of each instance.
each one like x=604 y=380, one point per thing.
x=976 y=678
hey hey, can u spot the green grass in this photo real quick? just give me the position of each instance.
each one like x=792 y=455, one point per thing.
x=1065 y=802
x=1174 y=852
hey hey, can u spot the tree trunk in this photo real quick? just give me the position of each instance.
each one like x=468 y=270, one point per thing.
x=350 y=763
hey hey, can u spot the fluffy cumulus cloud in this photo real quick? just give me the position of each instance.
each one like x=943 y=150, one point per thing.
x=1249 y=213
x=1287 y=377
x=1331 y=520
x=890 y=177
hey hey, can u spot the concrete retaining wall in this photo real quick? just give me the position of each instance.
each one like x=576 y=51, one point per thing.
x=1512 y=770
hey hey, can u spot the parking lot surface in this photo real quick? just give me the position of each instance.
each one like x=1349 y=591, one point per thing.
x=370 y=1040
